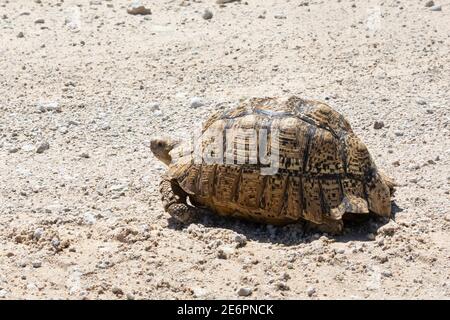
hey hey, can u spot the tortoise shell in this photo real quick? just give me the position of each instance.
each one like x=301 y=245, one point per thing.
x=319 y=169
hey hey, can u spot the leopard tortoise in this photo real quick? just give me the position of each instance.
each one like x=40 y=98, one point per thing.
x=276 y=161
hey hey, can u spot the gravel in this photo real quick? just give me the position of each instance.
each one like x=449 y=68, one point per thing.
x=245 y=292
x=117 y=79
x=42 y=147
x=207 y=15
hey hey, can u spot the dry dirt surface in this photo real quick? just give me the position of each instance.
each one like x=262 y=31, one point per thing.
x=84 y=85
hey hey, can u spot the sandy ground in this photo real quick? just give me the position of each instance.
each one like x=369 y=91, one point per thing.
x=84 y=85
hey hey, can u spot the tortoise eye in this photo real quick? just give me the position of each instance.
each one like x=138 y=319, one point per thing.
x=160 y=144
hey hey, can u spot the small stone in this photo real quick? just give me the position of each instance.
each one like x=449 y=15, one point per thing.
x=10 y=254
x=104 y=264
x=55 y=243
x=396 y=163
x=36 y=264
x=207 y=15
x=39 y=21
x=130 y=296
x=13 y=150
x=386 y=273
x=429 y=4
x=43 y=147
x=20 y=35
x=436 y=8
x=388 y=229
x=241 y=240
x=37 y=234
x=282 y=286
x=49 y=106
x=311 y=291
x=3 y=293
x=117 y=291
x=378 y=125
x=137 y=8
x=371 y=236
x=199 y=292
x=89 y=218
x=196 y=102
x=245 y=292
x=154 y=106
x=398 y=133
x=84 y=155
x=224 y=252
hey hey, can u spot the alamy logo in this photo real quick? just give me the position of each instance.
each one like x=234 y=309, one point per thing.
x=233 y=146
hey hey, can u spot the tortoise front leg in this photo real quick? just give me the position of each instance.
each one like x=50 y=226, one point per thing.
x=174 y=201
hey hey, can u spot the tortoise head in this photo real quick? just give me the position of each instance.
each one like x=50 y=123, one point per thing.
x=161 y=148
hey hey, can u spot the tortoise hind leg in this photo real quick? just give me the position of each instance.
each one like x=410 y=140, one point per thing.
x=174 y=200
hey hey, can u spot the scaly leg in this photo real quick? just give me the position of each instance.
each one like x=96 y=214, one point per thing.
x=174 y=201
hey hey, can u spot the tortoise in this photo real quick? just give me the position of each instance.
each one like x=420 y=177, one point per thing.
x=318 y=169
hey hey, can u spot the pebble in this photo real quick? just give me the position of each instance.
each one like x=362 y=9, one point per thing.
x=436 y=8
x=117 y=291
x=88 y=218
x=240 y=240
x=104 y=264
x=55 y=243
x=20 y=35
x=378 y=125
x=398 y=133
x=118 y=188
x=429 y=4
x=43 y=147
x=138 y=9
x=13 y=150
x=63 y=130
x=225 y=252
x=311 y=291
x=84 y=155
x=196 y=102
x=37 y=234
x=199 y=292
x=388 y=229
x=282 y=286
x=386 y=273
x=207 y=15
x=3 y=293
x=39 y=21
x=49 y=106
x=245 y=292
x=36 y=264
